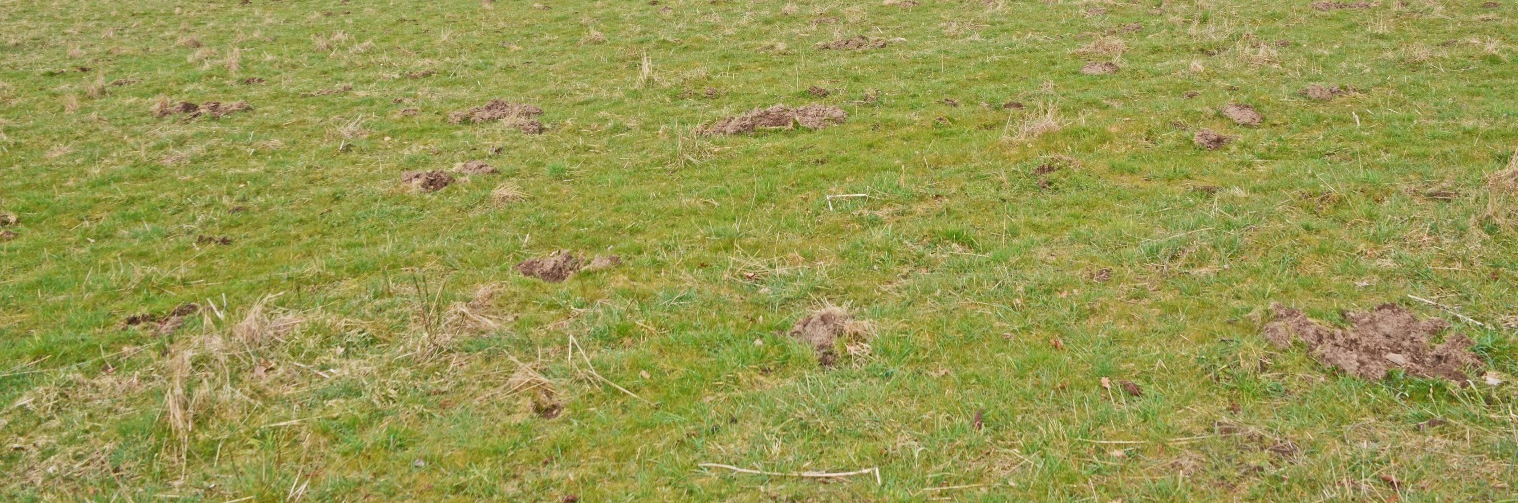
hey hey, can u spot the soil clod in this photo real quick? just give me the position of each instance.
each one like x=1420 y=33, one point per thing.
x=164 y=323
x=1211 y=140
x=1385 y=338
x=475 y=168
x=522 y=116
x=855 y=43
x=822 y=329
x=427 y=181
x=212 y=109
x=778 y=117
x=560 y=265
x=1243 y=115
x=1100 y=68
x=1320 y=92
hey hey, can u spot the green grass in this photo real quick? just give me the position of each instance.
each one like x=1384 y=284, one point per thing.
x=965 y=261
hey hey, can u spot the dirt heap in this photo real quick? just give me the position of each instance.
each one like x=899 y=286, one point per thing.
x=164 y=323
x=821 y=330
x=1376 y=341
x=560 y=265
x=778 y=117
x=522 y=116
x=1100 y=68
x=1210 y=140
x=212 y=109
x=1242 y=114
x=427 y=181
x=853 y=44
x=474 y=168
x=1320 y=92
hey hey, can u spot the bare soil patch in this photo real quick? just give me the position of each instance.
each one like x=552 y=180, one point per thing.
x=213 y=240
x=822 y=329
x=1100 y=68
x=818 y=92
x=778 y=117
x=560 y=265
x=427 y=181
x=1243 y=115
x=1211 y=140
x=475 y=168
x=520 y=115
x=1321 y=92
x=854 y=43
x=1385 y=338
x=212 y=109
x=7 y=235
x=163 y=323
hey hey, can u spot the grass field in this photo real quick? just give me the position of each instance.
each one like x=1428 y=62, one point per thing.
x=1056 y=292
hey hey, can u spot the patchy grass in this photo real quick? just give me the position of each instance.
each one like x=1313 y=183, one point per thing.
x=1064 y=299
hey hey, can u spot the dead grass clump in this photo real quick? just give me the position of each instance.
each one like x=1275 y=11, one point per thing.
x=1502 y=202
x=213 y=109
x=258 y=327
x=777 y=117
x=1041 y=122
x=541 y=395
x=1328 y=6
x=824 y=329
x=1105 y=47
x=475 y=168
x=507 y=193
x=1322 y=92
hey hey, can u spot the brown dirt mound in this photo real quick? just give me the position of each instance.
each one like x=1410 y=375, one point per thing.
x=1327 y=6
x=475 y=168
x=1100 y=68
x=1242 y=114
x=523 y=116
x=778 y=117
x=1385 y=338
x=7 y=235
x=212 y=109
x=1320 y=92
x=1210 y=140
x=164 y=323
x=560 y=265
x=821 y=330
x=427 y=181
x=853 y=44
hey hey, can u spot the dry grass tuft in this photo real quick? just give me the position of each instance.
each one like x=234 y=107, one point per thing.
x=1105 y=47
x=258 y=327
x=1502 y=203
x=507 y=193
x=1040 y=122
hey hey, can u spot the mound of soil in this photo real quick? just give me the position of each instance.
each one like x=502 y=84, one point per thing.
x=1327 y=6
x=560 y=265
x=1319 y=92
x=1242 y=114
x=778 y=117
x=427 y=181
x=821 y=330
x=853 y=44
x=523 y=116
x=212 y=109
x=474 y=168
x=1100 y=68
x=1385 y=338
x=164 y=323
x=1210 y=140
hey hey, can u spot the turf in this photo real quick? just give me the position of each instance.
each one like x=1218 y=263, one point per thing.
x=1028 y=231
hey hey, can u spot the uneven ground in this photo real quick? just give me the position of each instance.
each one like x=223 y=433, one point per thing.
x=1041 y=218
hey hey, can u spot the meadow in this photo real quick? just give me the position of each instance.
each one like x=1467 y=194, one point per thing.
x=572 y=250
